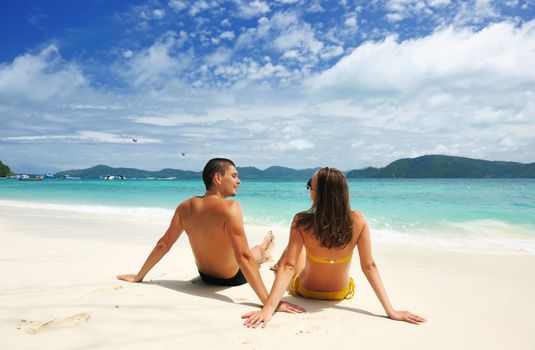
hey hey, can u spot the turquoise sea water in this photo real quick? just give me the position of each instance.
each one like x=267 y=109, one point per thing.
x=475 y=214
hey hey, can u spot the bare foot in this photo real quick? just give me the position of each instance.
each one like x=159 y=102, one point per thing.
x=262 y=252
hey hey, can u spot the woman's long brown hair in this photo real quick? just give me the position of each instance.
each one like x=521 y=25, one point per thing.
x=330 y=214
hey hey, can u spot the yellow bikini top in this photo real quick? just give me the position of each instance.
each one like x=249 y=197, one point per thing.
x=328 y=261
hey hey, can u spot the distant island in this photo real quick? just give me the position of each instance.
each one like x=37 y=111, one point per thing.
x=439 y=166
x=100 y=171
x=429 y=166
x=4 y=170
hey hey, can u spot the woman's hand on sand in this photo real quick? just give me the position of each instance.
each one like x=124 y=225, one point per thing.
x=407 y=316
x=290 y=308
x=257 y=318
x=129 y=278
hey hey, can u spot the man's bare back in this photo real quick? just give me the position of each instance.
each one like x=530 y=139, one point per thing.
x=203 y=220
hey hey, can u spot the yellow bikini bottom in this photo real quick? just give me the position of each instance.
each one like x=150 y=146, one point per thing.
x=346 y=293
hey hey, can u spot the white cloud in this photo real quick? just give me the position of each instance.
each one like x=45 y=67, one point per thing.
x=158 y=14
x=331 y=52
x=284 y=31
x=39 y=77
x=84 y=136
x=511 y=3
x=228 y=35
x=198 y=6
x=177 y=5
x=351 y=22
x=166 y=120
x=150 y=65
x=293 y=145
x=438 y=3
x=299 y=37
x=251 y=70
x=475 y=13
x=268 y=70
x=251 y=9
x=452 y=87
x=220 y=56
x=315 y=7
x=498 y=56
x=291 y=54
x=394 y=17
x=128 y=53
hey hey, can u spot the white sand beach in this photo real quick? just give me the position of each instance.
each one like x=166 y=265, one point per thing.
x=59 y=291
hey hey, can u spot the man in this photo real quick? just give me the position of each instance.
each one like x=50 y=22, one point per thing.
x=217 y=237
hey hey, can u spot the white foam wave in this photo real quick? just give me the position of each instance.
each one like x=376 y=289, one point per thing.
x=93 y=209
x=472 y=236
x=476 y=235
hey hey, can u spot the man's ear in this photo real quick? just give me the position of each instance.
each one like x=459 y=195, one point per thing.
x=217 y=178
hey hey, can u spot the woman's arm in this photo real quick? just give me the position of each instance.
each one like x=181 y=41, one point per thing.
x=284 y=274
x=372 y=274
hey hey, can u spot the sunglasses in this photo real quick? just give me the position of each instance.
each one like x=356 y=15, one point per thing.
x=309 y=184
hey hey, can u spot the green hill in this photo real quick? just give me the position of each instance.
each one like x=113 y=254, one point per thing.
x=438 y=166
x=103 y=170
x=280 y=172
x=274 y=172
x=431 y=166
x=4 y=170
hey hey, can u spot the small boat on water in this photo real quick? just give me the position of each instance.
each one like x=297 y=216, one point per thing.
x=68 y=177
x=114 y=177
x=25 y=177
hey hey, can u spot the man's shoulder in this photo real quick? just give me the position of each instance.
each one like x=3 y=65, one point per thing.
x=191 y=199
x=231 y=205
x=188 y=203
x=221 y=204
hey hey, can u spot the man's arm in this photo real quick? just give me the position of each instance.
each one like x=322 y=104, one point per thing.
x=162 y=247
x=246 y=261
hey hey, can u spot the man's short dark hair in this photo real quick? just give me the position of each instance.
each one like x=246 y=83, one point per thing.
x=215 y=165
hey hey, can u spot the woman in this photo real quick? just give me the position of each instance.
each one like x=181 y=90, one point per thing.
x=317 y=260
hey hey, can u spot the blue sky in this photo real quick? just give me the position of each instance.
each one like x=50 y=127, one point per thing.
x=295 y=83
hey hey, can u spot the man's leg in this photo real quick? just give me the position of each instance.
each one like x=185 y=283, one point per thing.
x=262 y=252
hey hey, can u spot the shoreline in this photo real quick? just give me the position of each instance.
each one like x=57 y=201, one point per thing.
x=59 y=292
x=518 y=239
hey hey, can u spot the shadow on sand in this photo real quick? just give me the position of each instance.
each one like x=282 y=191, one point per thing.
x=198 y=288
x=315 y=305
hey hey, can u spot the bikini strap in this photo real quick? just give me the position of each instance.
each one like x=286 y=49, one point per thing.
x=328 y=261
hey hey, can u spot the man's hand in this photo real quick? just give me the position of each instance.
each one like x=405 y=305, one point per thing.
x=129 y=278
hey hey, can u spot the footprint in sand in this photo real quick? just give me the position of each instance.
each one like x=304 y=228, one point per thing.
x=71 y=321
x=101 y=291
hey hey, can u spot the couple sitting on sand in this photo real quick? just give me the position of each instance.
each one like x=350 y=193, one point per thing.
x=315 y=264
